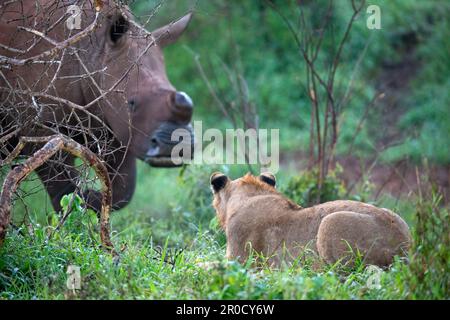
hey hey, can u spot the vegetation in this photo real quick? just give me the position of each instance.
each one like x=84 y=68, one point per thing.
x=408 y=56
x=170 y=242
x=181 y=256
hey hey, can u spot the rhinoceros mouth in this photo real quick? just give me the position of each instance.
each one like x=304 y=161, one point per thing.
x=164 y=162
x=160 y=154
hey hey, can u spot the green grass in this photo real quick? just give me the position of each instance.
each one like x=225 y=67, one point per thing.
x=171 y=248
x=37 y=270
x=168 y=232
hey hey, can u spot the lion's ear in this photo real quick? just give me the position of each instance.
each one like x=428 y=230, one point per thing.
x=218 y=181
x=268 y=178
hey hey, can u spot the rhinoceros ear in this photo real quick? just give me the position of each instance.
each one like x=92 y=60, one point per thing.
x=169 y=33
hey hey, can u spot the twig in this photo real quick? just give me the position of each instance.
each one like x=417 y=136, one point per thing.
x=52 y=145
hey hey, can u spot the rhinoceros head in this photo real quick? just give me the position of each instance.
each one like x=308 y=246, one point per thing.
x=143 y=108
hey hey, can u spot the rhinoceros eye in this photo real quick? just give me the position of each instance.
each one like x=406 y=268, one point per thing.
x=118 y=29
x=132 y=105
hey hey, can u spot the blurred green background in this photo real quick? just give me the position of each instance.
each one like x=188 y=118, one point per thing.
x=408 y=60
x=248 y=56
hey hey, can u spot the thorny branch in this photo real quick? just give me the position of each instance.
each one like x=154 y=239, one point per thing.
x=324 y=109
x=34 y=111
x=6 y=62
x=54 y=144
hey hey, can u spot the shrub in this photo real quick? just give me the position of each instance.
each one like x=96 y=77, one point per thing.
x=428 y=276
x=304 y=190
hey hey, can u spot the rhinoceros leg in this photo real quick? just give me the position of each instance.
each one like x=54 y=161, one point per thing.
x=122 y=172
x=59 y=179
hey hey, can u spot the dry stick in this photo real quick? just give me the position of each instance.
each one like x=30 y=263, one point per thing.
x=69 y=42
x=393 y=167
x=331 y=79
x=314 y=76
x=8 y=136
x=328 y=86
x=321 y=146
x=7 y=3
x=211 y=89
x=322 y=30
x=302 y=50
x=349 y=89
x=386 y=181
x=35 y=42
x=319 y=149
x=311 y=123
x=58 y=46
x=68 y=103
x=52 y=145
x=315 y=54
x=362 y=119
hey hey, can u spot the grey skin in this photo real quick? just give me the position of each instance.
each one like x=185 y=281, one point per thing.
x=140 y=119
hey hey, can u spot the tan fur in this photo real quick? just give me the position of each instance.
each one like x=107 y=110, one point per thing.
x=252 y=212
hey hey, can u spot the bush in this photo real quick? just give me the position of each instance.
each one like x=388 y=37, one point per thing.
x=304 y=189
x=428 y=276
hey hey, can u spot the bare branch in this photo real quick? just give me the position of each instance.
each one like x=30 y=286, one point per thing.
x=52 y=145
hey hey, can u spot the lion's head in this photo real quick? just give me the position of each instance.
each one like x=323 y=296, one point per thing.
x=224 y=190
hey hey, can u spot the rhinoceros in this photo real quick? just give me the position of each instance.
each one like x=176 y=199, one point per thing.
x=115 y=70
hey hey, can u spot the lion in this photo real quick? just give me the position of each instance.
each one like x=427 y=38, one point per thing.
x=257 y=218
